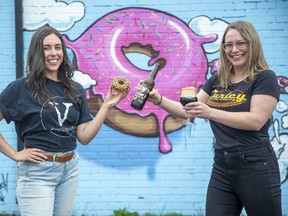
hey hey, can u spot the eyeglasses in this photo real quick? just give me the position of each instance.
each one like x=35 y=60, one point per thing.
x=239 y=44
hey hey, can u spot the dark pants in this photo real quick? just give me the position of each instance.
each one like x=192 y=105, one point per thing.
x=244 y=177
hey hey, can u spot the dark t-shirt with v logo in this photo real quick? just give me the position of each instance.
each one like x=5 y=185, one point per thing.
x=48 y=126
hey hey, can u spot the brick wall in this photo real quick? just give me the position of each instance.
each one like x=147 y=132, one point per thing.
x=8 y=73
x=120 y=170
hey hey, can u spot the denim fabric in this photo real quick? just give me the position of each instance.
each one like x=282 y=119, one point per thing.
x=244 y=177
x=47 y=188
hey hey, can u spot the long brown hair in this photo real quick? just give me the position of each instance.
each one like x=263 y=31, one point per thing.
x=35 y=67
x=256 y=60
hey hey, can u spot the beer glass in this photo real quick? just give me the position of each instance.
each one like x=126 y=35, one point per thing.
x=188 y=95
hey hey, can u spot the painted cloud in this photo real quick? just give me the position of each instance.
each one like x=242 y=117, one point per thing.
x=60 y=15
x=204 y=26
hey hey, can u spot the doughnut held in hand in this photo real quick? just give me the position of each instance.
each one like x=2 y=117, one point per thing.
x=121 y=84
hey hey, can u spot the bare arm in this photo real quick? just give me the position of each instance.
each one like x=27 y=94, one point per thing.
x=260 y=111
x=88 y=130
x=5 y=148
x=172 y=107
x=33 y=154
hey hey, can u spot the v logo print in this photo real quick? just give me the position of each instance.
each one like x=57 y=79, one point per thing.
x=61 y=120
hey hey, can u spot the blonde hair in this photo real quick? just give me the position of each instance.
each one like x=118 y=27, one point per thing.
x=256 y=60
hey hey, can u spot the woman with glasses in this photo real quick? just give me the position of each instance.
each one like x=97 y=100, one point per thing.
x=238 y=100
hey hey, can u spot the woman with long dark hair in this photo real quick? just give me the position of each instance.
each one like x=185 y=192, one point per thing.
x=50 y=112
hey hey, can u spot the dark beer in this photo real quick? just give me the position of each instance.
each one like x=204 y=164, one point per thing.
x=188 y=95
x=186 y=100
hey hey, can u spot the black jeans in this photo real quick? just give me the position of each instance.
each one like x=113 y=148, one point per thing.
x=244 y=177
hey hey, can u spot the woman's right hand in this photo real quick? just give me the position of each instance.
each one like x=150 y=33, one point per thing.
x=32 y=154
x=154 y=96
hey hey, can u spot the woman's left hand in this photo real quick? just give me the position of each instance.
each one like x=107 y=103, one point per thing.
x=197 y=110
x=114 y=97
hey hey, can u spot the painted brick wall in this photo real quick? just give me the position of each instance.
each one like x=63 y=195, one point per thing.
x=119 y=170
x=8 y=74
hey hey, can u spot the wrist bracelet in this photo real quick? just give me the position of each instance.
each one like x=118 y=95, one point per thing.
x=157 y=104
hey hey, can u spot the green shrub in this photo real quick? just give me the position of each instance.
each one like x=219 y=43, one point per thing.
x=124 y=212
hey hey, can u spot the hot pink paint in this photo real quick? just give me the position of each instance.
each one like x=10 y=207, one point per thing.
x=99 y=53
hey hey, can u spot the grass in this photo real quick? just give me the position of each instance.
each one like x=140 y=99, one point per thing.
x=125 y=212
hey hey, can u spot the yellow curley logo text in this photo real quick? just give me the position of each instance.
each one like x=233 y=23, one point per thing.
x=226 y=98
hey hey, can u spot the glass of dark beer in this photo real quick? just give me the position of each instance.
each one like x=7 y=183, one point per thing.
x=188 y=95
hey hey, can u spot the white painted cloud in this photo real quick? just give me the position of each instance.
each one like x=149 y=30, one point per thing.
x=60 y=15
x=281 y=106
x=280 y=145
x=84 y=79
x=204 y=26
x=285 y=122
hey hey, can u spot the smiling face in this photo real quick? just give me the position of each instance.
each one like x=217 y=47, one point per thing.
x=237 y=49
x=53 y=54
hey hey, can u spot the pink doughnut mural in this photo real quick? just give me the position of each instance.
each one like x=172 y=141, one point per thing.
x=101 y=52
x=283 y=83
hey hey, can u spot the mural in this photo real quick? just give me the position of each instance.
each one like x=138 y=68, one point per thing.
x=102 y=51
x=3 y=186
x=128 y=42
x=280 y=139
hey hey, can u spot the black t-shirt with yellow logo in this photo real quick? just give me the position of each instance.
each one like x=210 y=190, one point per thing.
x=237 y=98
